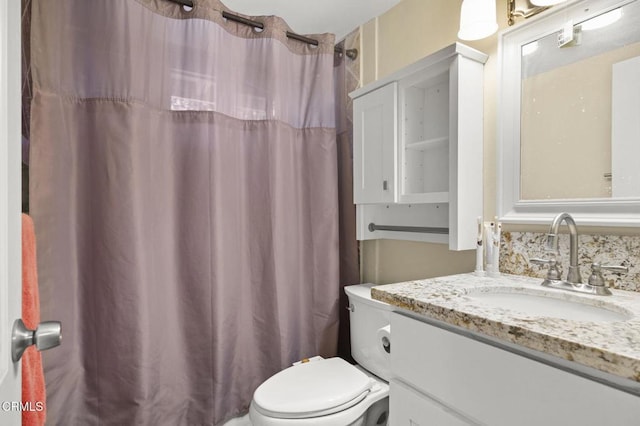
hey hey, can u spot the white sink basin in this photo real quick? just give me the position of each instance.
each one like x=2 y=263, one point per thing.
x=543 y=304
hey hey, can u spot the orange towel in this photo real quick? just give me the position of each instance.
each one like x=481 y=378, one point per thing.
x=33 y=391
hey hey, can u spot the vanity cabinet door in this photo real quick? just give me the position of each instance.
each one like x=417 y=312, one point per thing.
x=374 y=145
x=411 y=408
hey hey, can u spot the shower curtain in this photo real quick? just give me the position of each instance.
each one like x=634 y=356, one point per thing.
x=184 y=192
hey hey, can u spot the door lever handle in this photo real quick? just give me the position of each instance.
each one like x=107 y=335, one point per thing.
x=47 y=335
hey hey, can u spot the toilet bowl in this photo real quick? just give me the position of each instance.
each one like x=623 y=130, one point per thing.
x=332 y=392
x=329 y=392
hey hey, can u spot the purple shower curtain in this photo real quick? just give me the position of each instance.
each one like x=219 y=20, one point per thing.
x=184 y=192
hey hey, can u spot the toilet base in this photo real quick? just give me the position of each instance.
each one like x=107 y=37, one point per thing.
x=363 y=418
x=377 y=414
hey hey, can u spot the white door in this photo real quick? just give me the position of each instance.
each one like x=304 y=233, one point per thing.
x=10 y=221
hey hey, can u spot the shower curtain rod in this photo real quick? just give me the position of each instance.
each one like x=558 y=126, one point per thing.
x=350 y=53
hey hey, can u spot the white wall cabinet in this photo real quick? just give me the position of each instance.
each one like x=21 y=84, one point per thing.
x=418 y=139
x=463 y=381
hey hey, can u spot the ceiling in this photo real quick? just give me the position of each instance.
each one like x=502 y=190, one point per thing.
x=339 y=17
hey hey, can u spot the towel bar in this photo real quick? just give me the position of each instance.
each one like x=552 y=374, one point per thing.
x=422 y=229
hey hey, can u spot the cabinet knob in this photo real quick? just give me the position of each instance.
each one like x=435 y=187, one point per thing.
x=385 y=185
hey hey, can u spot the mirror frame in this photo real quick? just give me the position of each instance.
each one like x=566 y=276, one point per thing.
x=510 y=208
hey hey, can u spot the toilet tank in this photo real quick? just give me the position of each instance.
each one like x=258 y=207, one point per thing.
x=367 y=317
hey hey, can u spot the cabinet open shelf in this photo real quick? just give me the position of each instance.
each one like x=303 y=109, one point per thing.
x=424 y=128
x=428 y=144
x=426 y=197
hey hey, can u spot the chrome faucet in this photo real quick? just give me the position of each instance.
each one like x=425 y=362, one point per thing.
x=573 y=274
x=596 y=284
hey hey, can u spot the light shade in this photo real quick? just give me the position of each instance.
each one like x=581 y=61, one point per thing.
x=546 y=2
x=602 y=21
x=477 y=19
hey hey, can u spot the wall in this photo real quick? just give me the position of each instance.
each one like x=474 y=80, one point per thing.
x=411 y=30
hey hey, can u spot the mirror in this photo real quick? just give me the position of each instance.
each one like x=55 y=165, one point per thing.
x=569 y=137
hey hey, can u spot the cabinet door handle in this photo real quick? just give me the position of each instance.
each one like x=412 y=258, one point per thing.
x=385 y=185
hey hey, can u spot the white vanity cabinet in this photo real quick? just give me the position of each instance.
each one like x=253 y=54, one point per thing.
x=445 y=378
x=418 y=139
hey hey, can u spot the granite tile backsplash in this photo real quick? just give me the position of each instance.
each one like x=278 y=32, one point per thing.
x=518 y=247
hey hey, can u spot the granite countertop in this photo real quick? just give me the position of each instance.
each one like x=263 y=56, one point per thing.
x=611 y=347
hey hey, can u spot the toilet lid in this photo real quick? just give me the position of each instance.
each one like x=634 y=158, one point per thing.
x=312 y=389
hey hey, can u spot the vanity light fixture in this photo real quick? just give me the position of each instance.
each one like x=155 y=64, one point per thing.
x=527 y=8
x=546 y=3
x=477 y=19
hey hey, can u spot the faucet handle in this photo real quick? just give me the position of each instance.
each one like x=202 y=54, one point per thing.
x=596 y=279
x=554 y=272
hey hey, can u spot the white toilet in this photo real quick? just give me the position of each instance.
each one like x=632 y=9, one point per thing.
x=332 y=392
